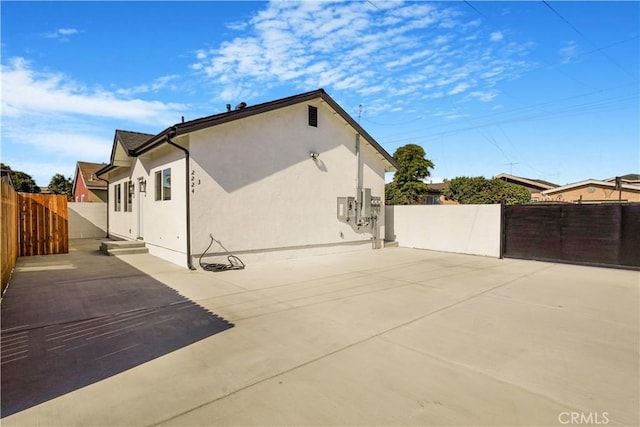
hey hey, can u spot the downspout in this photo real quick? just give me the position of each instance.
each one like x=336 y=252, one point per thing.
x=171 y=133
x=358 y=180
x=108 y=193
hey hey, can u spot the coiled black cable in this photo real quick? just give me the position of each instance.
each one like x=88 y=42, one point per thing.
x=235 y=263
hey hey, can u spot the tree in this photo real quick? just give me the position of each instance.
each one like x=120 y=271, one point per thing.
x=61 y=185
x=408 y=186
x=22 y=182
x=479 y=190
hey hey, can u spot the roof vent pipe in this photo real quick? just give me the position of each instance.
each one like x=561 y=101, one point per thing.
x=228 y=107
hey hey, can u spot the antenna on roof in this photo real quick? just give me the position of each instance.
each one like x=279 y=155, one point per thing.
x=511 y=167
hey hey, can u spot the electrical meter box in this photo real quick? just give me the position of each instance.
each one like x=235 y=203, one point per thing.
x=365 y=211
x=376 y=203
x=346 y=209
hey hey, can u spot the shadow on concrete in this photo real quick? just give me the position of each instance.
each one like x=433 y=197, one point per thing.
x=74 y=319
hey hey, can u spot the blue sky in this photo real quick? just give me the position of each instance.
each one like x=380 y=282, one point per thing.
x=545 y=90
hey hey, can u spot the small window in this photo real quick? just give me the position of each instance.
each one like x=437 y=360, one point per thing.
x=128 y=200
x=163 y=184
x=313 y=116
x=116 y=197
x=158 y=185
x=166 y=184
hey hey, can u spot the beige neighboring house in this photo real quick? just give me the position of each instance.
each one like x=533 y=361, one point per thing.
x=594 y=191
x=535 y=186
x=631 y=178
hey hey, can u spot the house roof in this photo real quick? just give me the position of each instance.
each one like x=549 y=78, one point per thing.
x=590 y=182
x=630 y=177
x=129 y=141
x=132 y=140
x=138 y=143
x=529 y=182
x=88 y=172
x=438 y=186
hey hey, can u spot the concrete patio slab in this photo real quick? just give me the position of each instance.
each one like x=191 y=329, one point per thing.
x=389 y=337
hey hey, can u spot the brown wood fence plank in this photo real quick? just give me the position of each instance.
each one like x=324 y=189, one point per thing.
x=8 y=231
x=44 y=228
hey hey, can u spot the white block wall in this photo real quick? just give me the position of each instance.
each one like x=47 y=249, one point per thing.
x=87 y=220
x=466 y=229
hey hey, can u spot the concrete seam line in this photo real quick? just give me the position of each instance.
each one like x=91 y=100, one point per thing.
x=331 y=353
x=485 y=374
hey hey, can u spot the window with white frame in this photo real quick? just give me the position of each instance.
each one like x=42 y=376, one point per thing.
x=117 y=197
x=128 y=199
x=163 y=184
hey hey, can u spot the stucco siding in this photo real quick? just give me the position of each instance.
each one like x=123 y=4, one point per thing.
x=160 y=223
x=257 y=188
x=87 y=220
x=467 y=229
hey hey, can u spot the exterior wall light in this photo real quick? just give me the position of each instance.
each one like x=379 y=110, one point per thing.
x=313 y=155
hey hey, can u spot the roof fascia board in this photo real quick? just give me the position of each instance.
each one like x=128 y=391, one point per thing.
x=525 y=181
x=75 y=178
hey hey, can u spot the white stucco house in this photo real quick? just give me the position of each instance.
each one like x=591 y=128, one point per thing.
x=288 y=177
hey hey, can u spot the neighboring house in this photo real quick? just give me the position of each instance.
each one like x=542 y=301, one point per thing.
x=268 y=180
x=593 y=191
x=631 y=178
x=87 y=187
x=435 y=194
x=535 y=186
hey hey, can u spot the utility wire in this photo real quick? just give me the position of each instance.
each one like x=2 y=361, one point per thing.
x=536 y=106
x=606 y=55
x=610 y=104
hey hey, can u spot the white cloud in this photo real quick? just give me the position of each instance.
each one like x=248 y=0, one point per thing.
x=459 y=88
x=62 y=34
x=379 y=49
x=49 y=121
x=496 y=36
x=484 y=96
x=568 y=52
x=26 y=91
x=67 y=31
x=159 y=83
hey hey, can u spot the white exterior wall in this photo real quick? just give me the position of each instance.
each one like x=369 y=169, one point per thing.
x=257 y=189
x=87 y=220
x=467 y=229
x=160 y=223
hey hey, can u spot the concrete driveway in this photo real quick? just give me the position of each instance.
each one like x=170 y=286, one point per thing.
x=389 y=337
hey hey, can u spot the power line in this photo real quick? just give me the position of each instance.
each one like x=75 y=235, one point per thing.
x=566 y=21
x=610 y=104
x=536 y=106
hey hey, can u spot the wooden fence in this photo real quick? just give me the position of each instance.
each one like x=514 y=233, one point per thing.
x=43 y=224
x=8 y=231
